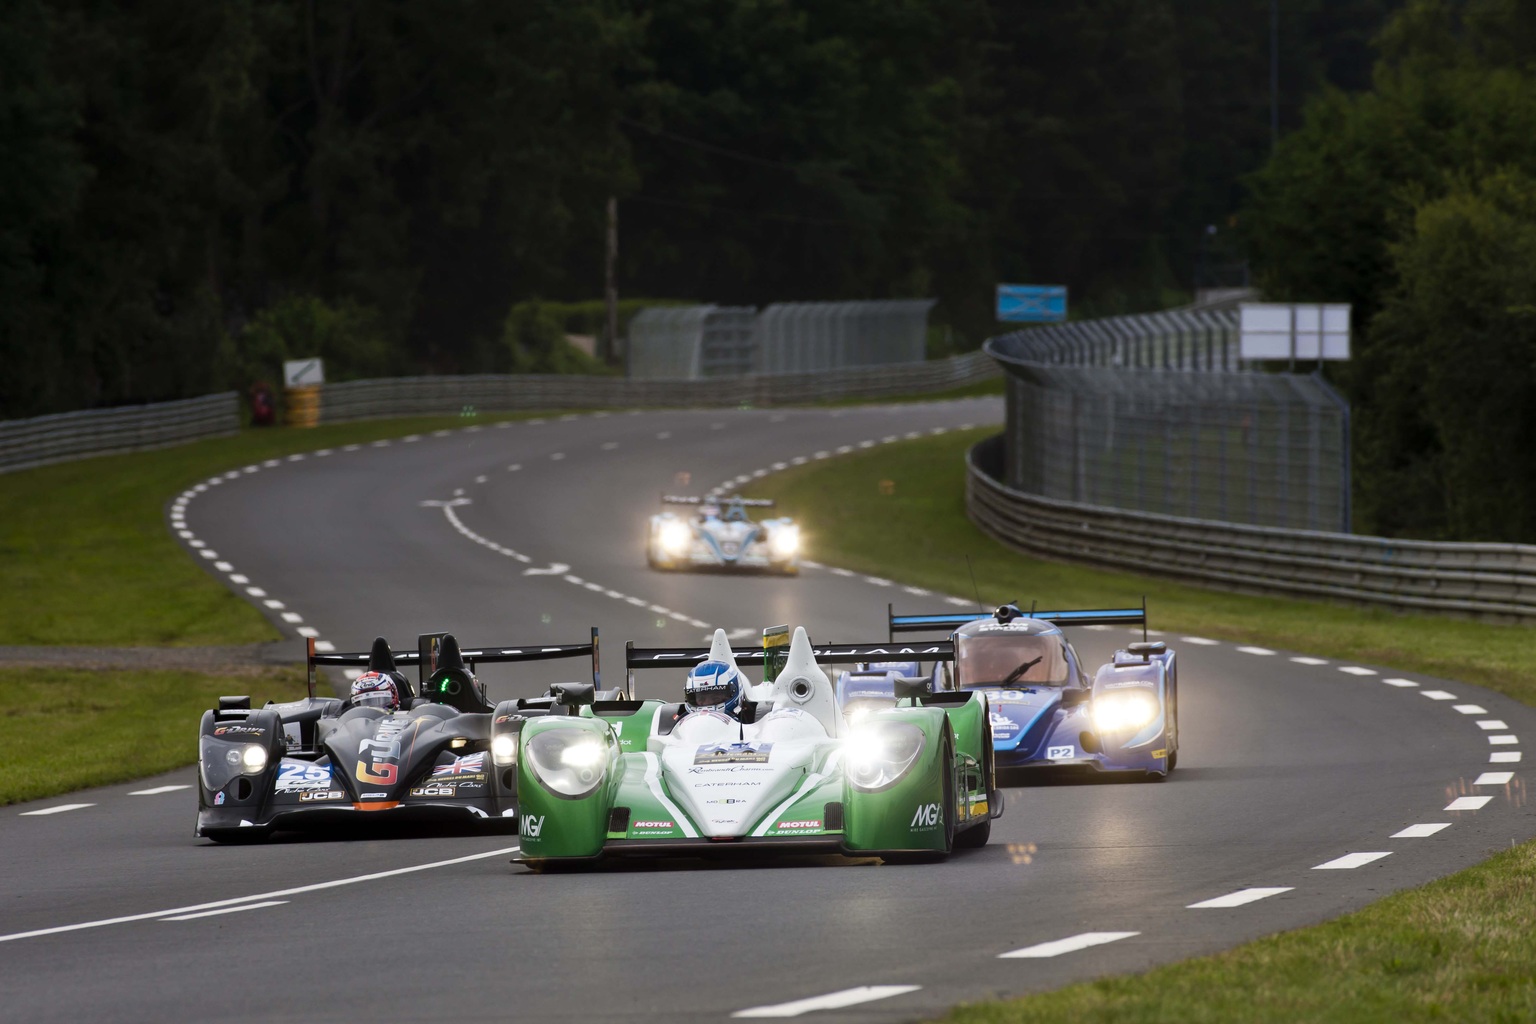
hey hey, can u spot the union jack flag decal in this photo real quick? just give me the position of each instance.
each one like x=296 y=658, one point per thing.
x=462 y=766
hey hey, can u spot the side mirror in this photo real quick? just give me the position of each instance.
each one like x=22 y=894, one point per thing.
x=573 y=695
x=234 y=703
x=1147 y=649
x=1075 y=696
x=910 y=688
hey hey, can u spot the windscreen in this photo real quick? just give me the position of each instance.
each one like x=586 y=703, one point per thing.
x=1016 y=660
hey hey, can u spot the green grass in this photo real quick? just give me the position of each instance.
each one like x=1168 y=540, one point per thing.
x=88 y=559
x=116 y=725
x=919 y=534
x=1460 y=949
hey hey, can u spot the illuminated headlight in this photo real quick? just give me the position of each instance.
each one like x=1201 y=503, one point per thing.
x=785 y=541
x=675 y=537
x=879 y=755
x=253 y=758
x=1123 y=712
x=504 y=749
x=569 y=762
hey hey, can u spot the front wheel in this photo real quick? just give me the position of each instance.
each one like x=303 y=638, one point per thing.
x=975 y=837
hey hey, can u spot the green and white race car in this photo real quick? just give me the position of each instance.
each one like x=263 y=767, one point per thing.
x=646 y=777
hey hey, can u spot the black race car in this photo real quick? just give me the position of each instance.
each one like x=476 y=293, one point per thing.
x=443 y=753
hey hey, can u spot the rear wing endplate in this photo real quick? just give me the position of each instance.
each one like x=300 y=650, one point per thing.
x=425 y=656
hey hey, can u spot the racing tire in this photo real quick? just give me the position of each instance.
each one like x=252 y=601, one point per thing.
x=1173 y=760
x=949 y=790
x=236 y=836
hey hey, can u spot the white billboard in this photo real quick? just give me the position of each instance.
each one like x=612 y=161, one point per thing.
x=1303 y=331
x=299 y=373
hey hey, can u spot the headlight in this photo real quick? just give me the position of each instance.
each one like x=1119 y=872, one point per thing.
x=675 y=537
x=569 y=762
x=253 y=758
x=878 y=756
x=1123 y=712
x=785 y=541
x=504 y=749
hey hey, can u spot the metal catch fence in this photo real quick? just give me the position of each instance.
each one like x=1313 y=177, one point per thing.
x=1156 y=414
x=797 y=337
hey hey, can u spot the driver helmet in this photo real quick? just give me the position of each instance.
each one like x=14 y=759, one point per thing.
x=709 y=510
x=715 y=686
x=375 y=690
x=735 y=513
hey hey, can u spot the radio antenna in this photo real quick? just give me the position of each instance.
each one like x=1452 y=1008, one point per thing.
x=972 y=570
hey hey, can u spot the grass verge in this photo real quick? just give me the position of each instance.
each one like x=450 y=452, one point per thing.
x=88 y=558
x=119 y=725
x=1457 y=949
x=898 y=511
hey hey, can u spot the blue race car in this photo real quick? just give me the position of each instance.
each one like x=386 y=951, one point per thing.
x=1045 y=711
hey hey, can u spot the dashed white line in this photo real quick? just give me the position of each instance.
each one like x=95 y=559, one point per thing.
x=959 y=601
x=1350 y=861
x=1504 y=757
x=1240 y=898
x=830 y=1001
x=274 y=603
x=1421 y=831
x=237 y=578
x=292 y=617
x=1438 y=695
x=1262 y=652
x=1505 y=740
x=1470 y=709
x=840 y=572
x=1310 y=661
x=1491 y=724
x=1468 y=803
x=55 y=809
x=1357 y=670
x=1493 y=779
x=556 y=456
x=307 y=631
x=158 y=790
x=1400 y=682
x=1069 y=945
x=609 y=446
x=325 y=647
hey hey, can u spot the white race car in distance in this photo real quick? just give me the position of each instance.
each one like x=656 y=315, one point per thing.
x=720 y=535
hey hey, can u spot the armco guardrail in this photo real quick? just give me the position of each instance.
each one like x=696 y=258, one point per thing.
x=426 y=396
x=1486 y=581
x=77 y=435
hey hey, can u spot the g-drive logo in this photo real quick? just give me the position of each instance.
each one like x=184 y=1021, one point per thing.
x=927 y=816
x=531 y=825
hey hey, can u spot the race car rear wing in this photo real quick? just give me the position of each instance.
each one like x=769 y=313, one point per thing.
x=681 y=499
x=1006 y=613
x=677 y=658
x=425 y=656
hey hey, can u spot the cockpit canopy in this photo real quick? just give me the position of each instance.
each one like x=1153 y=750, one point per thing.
x=1012 y=659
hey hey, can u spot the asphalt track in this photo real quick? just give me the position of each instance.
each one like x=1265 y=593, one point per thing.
x=1286 y=765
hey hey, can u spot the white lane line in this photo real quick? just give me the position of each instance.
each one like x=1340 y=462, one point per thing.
x=1262 y=652
x=1493 y=778
x=1310 y=661
x=297 y=890
x=556 y=456
x=514 y=467
x=274 y=603
x=255 y=591
x=1357 y=670
x=157 y=790
x=877 y=581
x=1468 y=803
x=1470 y=709
x=325 y=647
x=1437 y=695
x=237 y=578
x=1350 y=861
x=226 y=910
x=960 y=601
x=1071 y=945
x=609 y=446
x=223 y=566
x=1429 y=828
x=840 y=572
x=1491 y=724
x=1504 y=757
x=1239 y=898
x=292 y=617
x=307 y=631
x=480 y=479
x=1503 y=741
x=1400 y=682
x=55 y=809
x=830 y=1001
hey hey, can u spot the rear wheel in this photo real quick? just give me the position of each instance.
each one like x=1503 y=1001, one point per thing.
x=975 y=837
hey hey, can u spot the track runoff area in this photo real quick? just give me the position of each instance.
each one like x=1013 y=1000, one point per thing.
x=1305 y=788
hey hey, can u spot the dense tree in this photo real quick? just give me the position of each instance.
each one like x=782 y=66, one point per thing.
x=176 y=174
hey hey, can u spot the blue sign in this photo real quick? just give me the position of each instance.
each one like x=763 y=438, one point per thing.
x=1032 y=303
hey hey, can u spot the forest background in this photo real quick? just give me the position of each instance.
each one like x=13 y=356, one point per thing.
x=191 y=191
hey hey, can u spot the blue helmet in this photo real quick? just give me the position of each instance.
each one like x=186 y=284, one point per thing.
x=715 y=685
